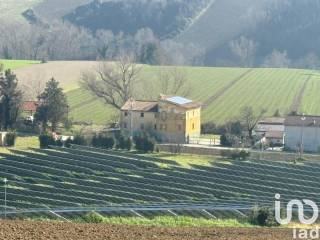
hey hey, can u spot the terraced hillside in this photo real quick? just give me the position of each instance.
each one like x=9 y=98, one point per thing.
x=83 y=178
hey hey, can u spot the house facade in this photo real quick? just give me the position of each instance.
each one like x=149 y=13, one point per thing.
x=302 y=133
x=171 y=119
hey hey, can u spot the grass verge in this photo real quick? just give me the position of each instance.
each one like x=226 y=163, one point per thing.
x=164 y=221
x=14 y=64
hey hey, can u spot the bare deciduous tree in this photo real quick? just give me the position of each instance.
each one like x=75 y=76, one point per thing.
x=174 y=82
x=33 y=86
x=113 y=82
x=277 y=59
x=245 y=50
x=249 y=118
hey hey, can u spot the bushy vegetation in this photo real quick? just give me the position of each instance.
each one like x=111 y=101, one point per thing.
x=93 y=217
x=46 y=139
x=229 y=140
x=235 y=154
x=232 y=127
x=102 y=141
x=78 y=139
x=10 y=139
x=144 y=143
x=263 y=217
x=124 y=143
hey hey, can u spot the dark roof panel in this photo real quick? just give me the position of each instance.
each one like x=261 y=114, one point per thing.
x=272 y=121
x=303 y=120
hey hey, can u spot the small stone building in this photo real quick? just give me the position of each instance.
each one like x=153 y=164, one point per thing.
x=171 y=119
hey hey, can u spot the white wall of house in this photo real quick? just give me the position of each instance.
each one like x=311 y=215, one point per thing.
x=2 y=138
x=311 y=138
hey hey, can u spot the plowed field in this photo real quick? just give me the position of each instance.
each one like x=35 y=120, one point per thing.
x=13 y=230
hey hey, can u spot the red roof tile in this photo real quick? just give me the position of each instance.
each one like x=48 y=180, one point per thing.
x=30 y=106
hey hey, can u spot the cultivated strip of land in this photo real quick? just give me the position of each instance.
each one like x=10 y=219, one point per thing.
x=226 y=88
x=296 y=104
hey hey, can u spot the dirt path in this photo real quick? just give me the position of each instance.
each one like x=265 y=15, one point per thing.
x=12 y=230
x=298 y=98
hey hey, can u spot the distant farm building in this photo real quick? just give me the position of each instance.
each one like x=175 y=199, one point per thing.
x=29 y=108
x=272 y=130
x=302 y=133
x=170 y=119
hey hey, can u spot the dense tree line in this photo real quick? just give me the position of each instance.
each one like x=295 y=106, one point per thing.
x=286 y=36
x=64 y=41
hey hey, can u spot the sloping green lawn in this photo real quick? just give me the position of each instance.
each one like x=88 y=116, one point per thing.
x=224 y=91
x=271 y=89
x=14 y=64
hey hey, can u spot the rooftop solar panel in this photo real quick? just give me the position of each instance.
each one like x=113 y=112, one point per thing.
x=179 y=100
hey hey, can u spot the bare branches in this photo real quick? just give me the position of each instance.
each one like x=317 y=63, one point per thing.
x=33 y=85
x=245 y=50
x=174 y=82
x=113 y=82
x=250 y=119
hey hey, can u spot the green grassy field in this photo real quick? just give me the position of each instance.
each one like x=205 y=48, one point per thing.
x=223 y=90
x=271 y=89
x=23 y=142
x=14 y=64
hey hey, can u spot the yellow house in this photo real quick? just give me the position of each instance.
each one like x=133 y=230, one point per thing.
x=170 y=119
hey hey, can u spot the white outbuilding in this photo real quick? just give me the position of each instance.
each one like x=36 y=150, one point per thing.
x=302 y=133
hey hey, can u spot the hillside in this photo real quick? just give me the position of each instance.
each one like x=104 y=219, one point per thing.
x=14 y=8
x=277 y=33
x=222 y=90
x=165 y=18
x=222 y=21
x=55 y=9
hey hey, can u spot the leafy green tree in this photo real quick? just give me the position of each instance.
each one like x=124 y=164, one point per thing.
x=10 y=99
x=53 y=106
